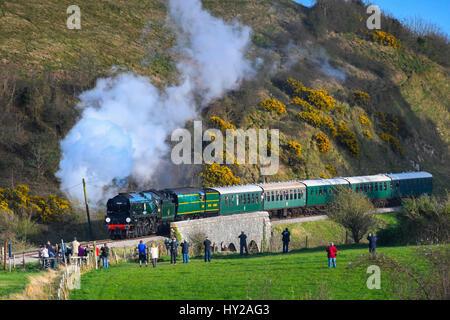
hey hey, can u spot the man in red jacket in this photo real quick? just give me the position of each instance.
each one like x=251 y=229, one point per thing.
x=331 y=250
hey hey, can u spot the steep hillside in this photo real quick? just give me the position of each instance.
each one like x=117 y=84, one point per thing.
x=44 y=66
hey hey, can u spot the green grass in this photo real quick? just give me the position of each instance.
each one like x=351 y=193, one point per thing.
x=298 y=275
x=17 y=280
x=322 y=232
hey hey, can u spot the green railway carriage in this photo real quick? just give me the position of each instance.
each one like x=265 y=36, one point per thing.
x=237 y=199
x=212 y=201
x=411 y=184
x=375 y=187
x=320 y=192
x=194 y=201
x=283 y=195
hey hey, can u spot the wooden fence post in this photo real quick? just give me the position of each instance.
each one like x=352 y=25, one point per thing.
x=5 y=254
x=23 y=259
x=306 y=242
x=346 y=236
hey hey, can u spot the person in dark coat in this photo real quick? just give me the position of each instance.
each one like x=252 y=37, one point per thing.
x=173 y=250
x=207 y=244
x=243 y=243
x=372 y=243
x=286 y=238
x=105 y=256
x=167 y=244
x=52 y=255
x=185 y=251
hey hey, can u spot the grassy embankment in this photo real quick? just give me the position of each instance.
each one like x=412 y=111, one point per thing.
x=17 y=280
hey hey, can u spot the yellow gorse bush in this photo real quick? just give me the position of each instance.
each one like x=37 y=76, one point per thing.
x=322 y=142
x=385 y=39
x=347 y=138
x=296 y=147
x=317 y=98
x=388 y=122
x=318 y=120
x=272 y=104
x=364 y=120
x=331 y=169
x=218 y=175
x=222 y=124
x=45 y=209
x=360 y=97
x=393 y=142
x=368 y=134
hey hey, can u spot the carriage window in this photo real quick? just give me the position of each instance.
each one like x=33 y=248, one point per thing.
x=371 y=187
x=253 y=198
x=248 y=198
x=201 y=197
x=325 y=190
x=385 y=186
x=295 y=194
x=376 y=186
x=273 y=196
x=320 y=191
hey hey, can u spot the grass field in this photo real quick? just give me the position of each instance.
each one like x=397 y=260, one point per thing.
x=322 y=232
x=17 y=280
x=302 y=274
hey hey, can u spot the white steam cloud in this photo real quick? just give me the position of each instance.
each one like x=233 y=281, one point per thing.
x=126 y=120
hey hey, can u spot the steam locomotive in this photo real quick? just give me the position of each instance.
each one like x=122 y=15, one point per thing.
x=139 y=213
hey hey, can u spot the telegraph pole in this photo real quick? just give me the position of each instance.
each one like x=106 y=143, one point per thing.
x=87 y=210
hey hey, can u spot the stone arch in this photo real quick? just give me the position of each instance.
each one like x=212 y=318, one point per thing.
x=231 y=247
x=253 y=247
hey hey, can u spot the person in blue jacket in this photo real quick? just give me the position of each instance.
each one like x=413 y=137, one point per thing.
x=185 y=251
x=142 y=248
x=372 y=243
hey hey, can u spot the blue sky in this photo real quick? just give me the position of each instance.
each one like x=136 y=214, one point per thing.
x=435 y=11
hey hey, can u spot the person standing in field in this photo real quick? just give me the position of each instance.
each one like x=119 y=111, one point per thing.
x=154 y=252
x=207 y=244
x=372 y=243
x=75 y=245
x=45 y=257
x=286 y=238
x=243 y=243
x=331 y=251
x=185 y=251
x=142 y=248
x=105 y=256
x=173 y=250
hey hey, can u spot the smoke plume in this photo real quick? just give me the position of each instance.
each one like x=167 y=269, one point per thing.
x=125 y=120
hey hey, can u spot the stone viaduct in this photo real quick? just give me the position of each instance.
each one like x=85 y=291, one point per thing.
x=223 y=231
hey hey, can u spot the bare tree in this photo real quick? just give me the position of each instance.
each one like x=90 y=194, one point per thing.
x=354 y=211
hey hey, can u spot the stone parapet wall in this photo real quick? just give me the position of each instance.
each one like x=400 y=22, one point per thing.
x=224 y=230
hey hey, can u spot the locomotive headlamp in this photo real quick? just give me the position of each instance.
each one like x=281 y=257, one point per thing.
x=108 y=220
x=128 y=220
